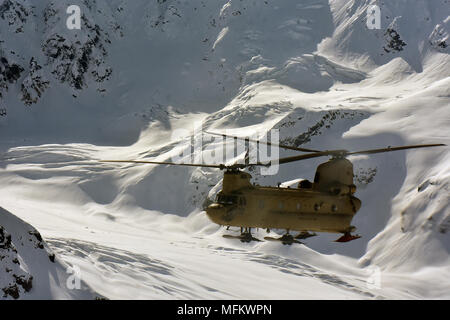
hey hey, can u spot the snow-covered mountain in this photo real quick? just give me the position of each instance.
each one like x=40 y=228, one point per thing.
x=136 y=71
x=29 y=268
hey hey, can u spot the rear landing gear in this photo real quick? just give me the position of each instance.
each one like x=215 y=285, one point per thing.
x=286 y=239
x=246 y=236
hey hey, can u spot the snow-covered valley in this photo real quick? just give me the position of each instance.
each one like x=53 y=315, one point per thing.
x=137 y=71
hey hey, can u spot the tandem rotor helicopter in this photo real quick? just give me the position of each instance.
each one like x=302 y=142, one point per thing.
x=327 y=204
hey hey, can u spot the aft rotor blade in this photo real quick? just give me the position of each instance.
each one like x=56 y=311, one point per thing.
x=263 y=142
x=312 y=155
x=303 y=157
x=388 y=149
x=344 y=153
x=220 y=166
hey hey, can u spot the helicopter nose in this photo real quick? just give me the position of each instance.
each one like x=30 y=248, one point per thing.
x=214 y=212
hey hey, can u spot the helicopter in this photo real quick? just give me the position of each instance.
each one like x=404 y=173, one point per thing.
x=326 y=205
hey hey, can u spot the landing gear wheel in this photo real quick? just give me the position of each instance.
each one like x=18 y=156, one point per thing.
x=246 y=237
x=286 y=239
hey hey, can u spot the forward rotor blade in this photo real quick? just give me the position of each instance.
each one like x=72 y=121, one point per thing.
x=267 y=143
x=220 y=166
x=388 y=149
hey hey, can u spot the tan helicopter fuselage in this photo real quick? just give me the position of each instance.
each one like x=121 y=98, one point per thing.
x=326 y=205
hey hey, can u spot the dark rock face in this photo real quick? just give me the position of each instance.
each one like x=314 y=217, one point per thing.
x=15 y=13
x=439 y=39
x=72 y=60
x=38 y=242
x=5 y=241
x=9 y=74
x=34 y=85
x=15 y=280
x=328 y=119
x=394 y=43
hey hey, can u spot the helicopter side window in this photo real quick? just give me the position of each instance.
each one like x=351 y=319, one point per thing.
x=225 y=199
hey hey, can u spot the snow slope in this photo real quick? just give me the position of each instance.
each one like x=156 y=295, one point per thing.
x=138 y=71
x=30 y=269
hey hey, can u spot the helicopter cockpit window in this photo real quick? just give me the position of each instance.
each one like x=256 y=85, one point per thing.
x=226 y=199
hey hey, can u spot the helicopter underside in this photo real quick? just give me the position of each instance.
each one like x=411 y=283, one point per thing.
x=331 y=223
